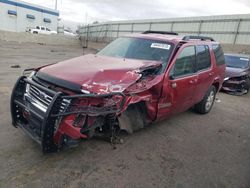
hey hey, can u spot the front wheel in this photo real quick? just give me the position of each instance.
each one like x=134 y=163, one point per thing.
x=207 y=102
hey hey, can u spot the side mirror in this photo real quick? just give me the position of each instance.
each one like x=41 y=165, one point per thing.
x=171 y=77
x=171 y=74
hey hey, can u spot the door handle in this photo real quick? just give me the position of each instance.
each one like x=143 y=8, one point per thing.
x=174 y=85
x=193 y=81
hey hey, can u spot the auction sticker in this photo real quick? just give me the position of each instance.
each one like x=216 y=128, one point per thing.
x=160 y=45
x=244 y=59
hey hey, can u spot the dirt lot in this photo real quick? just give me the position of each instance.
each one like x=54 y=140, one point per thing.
x=185 y=151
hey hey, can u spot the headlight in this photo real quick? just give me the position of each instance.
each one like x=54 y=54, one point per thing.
x=32 y=74
x=227 y=78
x=27 y=89
x=29 y=72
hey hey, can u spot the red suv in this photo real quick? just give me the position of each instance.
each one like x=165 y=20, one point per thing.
x=132 y=82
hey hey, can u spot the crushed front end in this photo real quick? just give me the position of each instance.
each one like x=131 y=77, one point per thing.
x=237 y=85
x=54 y=118
x=95 y=94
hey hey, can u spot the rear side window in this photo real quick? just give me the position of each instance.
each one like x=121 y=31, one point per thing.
x=219 y=54
x=185 y=62
x=203 y=57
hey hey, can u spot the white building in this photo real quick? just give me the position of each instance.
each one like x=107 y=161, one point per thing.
x=18 y=16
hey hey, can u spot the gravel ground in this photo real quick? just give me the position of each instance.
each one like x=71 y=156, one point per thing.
x=185 y=151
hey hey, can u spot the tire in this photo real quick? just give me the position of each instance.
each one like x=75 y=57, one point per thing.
x=207 y=102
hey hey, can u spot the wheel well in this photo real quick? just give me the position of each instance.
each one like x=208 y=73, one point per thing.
x=133 y=118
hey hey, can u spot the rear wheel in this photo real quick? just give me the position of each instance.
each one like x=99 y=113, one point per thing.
x=207 y=102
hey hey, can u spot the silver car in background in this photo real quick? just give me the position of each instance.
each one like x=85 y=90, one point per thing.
x=237 y=77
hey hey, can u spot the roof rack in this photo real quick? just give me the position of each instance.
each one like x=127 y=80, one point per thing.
x=197 y=37
x=160 y=32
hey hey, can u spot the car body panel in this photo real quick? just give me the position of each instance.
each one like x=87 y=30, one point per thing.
x=236 y=72
x=99 y=74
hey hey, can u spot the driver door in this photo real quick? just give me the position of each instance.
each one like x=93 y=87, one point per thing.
x=180 y=83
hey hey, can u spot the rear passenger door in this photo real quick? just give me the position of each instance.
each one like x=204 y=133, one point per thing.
x=205 y=74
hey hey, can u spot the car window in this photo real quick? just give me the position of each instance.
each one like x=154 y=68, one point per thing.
x=47 y=29
x=219 y=54
x=37 y=27
x=203 y=57
x=42 y=28
x=185 y=62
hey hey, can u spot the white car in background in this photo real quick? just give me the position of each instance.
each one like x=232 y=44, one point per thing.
x=41 y=30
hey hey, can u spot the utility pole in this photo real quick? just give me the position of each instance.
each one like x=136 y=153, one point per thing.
x=56 y=5
x=86 y=17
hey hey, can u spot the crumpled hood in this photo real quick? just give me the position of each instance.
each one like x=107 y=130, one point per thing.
x=95 y=74
x=235 y=72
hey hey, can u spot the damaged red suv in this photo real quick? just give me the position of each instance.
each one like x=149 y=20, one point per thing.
x=132 y=82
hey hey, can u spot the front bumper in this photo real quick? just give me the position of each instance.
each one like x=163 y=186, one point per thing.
x=46 y=126
x=237 y=86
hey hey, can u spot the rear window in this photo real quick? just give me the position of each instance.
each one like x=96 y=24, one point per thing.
x=203 y=57
x=219 y=54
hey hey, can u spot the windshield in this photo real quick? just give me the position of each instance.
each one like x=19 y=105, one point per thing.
x=136 y=48
x=237 y=62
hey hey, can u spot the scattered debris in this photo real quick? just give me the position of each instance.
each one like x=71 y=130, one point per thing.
x=217 y=100
x=15 y=66
x=54 y=50
x=223 y=130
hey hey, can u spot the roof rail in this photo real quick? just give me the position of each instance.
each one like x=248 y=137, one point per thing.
x=160 y=32
x=188 y=37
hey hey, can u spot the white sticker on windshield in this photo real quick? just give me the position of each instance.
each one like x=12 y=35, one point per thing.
x=160 y=45
x=244 y=59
